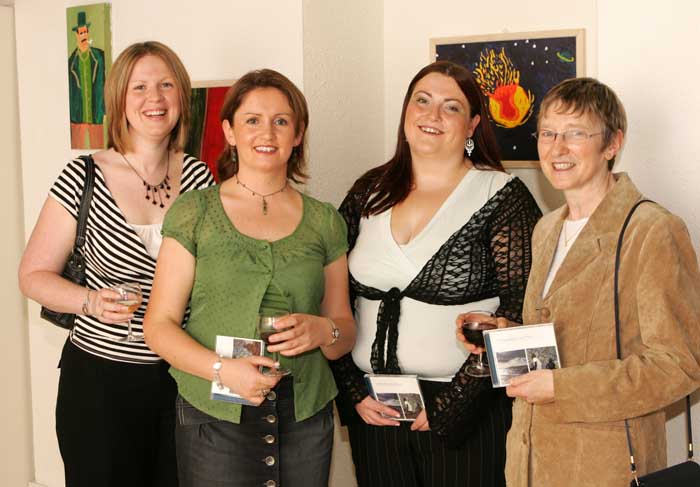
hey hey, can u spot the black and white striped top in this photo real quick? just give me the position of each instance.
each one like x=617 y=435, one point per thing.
x=115 y=254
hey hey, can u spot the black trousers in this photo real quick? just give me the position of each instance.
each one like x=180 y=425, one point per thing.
x=115 y=422
x=395 y=456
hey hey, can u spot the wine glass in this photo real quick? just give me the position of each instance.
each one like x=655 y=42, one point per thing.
x=473 y=329
x=130 y=296
x=266 y=328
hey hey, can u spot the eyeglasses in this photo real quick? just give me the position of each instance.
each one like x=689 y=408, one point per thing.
x=573 y=136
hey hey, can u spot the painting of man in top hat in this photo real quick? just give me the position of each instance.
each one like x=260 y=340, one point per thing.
x=89 y=45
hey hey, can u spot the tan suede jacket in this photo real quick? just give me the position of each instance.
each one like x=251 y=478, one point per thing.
x=579 y=438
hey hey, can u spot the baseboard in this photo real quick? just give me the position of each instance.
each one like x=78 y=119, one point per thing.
x=34 y=484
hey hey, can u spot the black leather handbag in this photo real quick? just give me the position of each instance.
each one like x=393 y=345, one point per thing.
x=74 y=270
x=686 y=474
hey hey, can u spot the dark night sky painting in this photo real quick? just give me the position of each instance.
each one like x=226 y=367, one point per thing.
x=514 y=75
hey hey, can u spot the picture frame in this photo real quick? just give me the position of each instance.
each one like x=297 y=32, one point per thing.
x=515 y=71
x=206 y=140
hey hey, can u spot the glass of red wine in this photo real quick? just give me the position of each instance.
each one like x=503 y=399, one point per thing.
x=266 y=328
x=473 y=329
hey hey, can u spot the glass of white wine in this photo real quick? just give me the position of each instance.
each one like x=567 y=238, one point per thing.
x=130 y=296
x=266 y=328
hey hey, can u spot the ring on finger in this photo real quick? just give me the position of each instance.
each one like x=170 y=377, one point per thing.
x=264 y=392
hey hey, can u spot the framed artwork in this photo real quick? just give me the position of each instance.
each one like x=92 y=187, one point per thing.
x=89 y=61
x=206 y=138
x=514 y=72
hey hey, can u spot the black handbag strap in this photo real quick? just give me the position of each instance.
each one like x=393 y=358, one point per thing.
x=689 y=429
x=85 y=200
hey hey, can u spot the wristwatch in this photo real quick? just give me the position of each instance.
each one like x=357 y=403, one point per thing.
x=217 y=368
x=335 y=332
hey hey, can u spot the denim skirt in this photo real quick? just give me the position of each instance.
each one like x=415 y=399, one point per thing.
x=268 y=448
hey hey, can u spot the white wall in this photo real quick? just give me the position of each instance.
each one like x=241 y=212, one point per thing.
x=646 y=59
x=15 y=433
x=343 y=83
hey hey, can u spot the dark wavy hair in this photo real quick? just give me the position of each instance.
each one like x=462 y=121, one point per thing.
x=390 y=183
x=226 y=167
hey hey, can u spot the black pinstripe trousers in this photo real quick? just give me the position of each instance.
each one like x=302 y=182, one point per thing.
x=390 y=456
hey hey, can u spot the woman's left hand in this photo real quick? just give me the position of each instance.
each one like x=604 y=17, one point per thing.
x=536 y=387
x=421 y=422
x=299 y=333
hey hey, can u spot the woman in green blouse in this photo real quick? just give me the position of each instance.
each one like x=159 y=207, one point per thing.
x=254 y=245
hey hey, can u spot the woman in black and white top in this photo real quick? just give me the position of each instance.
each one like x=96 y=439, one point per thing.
x=115 y=408
x=437 y=231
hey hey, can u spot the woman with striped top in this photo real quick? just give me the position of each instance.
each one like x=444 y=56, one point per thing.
x=115 y=408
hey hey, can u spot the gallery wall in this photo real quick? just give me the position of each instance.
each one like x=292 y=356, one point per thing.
x=16 y=466
x=646 y=59
x=354 y=61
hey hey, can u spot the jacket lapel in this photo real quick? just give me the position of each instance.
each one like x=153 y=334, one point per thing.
x=544 y=252
x=604 y=224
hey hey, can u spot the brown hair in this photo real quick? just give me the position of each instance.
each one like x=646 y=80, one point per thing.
x=390 y=183
x=117 y=84
x=588 y=96
x=226 y=165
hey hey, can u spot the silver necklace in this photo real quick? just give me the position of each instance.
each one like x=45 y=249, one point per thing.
x=263 y=196
x=154 y=191
x=569 y=238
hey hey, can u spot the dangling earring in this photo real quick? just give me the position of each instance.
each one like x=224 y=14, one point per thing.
x=234 y=154
x=469 y=146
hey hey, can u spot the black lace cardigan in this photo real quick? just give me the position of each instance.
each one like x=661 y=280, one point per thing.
x=489 y=256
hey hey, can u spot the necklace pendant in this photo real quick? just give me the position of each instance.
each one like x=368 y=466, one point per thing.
x=264 y=206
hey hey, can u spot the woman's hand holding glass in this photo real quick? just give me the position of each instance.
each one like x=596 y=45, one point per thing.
x=466 y=318
x=243 y=376
x=105 y=307
x=299 y=333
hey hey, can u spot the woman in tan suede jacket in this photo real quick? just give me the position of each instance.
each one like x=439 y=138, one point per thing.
x=568 y=424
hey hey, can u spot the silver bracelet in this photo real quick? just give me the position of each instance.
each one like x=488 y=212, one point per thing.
x=86 y=303
x=335 y=332
x=217 y=368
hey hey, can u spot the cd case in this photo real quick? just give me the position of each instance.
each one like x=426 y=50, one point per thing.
x=518 y=350
x=400 y=392
x=234 y=347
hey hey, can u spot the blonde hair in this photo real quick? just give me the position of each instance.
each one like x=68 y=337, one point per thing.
x=117 y=84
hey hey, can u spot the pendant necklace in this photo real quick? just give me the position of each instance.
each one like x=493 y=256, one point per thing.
x=263 y=196
x=154 y=191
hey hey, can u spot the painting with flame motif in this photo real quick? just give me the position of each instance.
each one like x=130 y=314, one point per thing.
x=206 y=137
x=514 y=72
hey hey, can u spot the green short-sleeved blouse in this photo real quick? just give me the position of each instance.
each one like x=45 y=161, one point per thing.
x=232 y=275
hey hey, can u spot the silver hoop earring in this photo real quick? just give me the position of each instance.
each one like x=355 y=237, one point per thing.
x=469 y=146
